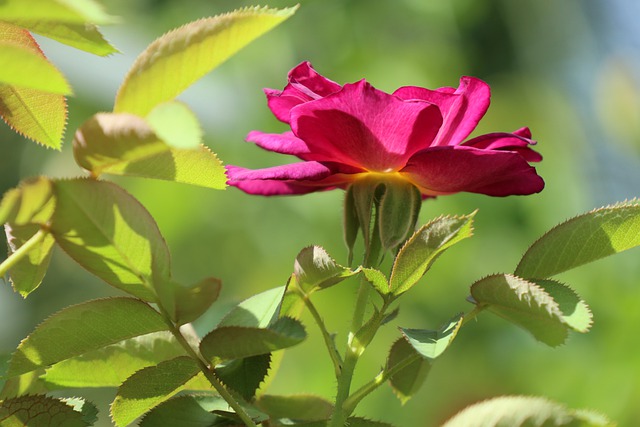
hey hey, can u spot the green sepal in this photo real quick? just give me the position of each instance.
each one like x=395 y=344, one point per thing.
x=521 y=411
x=583 y=239
x=315 y=269
x=398 y=212
x=421 y=250
x=350 y=224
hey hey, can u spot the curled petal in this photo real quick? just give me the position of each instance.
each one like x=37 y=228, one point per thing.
x=284 y=143
x=461 y=110
x=305 y=85
x=446 y=170
x=518 y=141
x=364 y=127
x=304 y=171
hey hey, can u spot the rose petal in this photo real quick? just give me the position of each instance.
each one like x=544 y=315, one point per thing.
x=507 y=142
x=446 y=170
x=305 y=85
x=364 y=127
x=284 y=143
x=307 y=171
x=461 y=110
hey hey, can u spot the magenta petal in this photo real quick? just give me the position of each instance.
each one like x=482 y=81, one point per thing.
x=303 y=171
x=518 y=141
x=285 y=143
x=305 y=85
x=461 y=110
x=446 y=170
x=364 y=127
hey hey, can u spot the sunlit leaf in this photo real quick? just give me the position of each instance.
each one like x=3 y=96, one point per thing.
x=174 y=123
x=151 y=386
x=176 y=60
x=185 y=411
x=417 y=255
x=32 y=202
x=25 y=384
x=583 y=239
x=28 y=273
x=303 y=407
x=85 y=37
x=109 y=366
x=236 y=342
x=108 y=232
x=244 y=376
x=70 y=11
x=408 y=380
x=82 y=328
x=192 y=302
x=124 y=144
x=377 y=279
x=575 y=312
x=258 y=311
x=431 y=344
x=521 y=411
x=40 y=410
x=25 y=68
x=315 y=269
x=523 y=303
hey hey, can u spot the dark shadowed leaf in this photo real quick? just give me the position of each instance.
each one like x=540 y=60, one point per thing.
x=408 y=380
x=303 y=407
x=185 y=411
x=315 y=269
x=244 y=376
x=192 y=302
x=40 y=410
x=28 y=273
x=32 y=202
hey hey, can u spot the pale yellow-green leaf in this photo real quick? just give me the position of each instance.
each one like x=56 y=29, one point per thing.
x=24 y=68
x=176 y=60
x=125 y=144
x=85 y=37
x=175 y=124
x=70 y=11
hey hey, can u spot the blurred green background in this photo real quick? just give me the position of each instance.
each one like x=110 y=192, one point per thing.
x=569 y=70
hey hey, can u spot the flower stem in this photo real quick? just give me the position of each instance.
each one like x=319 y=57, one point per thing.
x=328 y=340
x=22 y=251
x=208 y=372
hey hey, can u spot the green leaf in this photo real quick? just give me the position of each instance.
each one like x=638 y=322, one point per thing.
x=85 y=37
x=192 y=302
x=521 y=411
x=176 y=60
x=575 y=312
x=70 y=11
x=244 y=376
x=303 y=407
x=185 y=411
x=151 y=386
x=174 y=123
x=82 y=328
x=25 y=68
x=431 y=344
x=87 y=409
x=40 y=410
x=236 y=342
x=408 y=380
x=28 y=273
x=124 y=144
x=110 y=366
x=315 y=269
x=583 y=239
x=351 y=422
x=525 y=304
x=258 y=311
x=377 y=279
x=112 y=235
x=423 y=248
x=32 y=202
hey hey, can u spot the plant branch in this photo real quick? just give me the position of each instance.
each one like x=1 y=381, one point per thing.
x=22 y=251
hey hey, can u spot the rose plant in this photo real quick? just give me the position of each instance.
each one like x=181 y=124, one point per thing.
x=388 y=152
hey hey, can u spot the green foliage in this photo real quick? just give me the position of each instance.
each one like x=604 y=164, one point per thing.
x=82 y=328
x=185 y=411
x=151 y=386
x=236 y=342
x=431 y=344
x=192 y=302
x=111 y=365
x=407 y=380
x=124 y=144
x=300 y=407
x=68 y=11
x=41 y=411
x=176 y=60
x=258 y=311
x=583 y=239
x=521 y=411
x=112 y=235
x=244 y=376
x=546 y=309
x=420 y=251
x=27 y=274
x=33 y=202
x=315 y=269
x=176 y=125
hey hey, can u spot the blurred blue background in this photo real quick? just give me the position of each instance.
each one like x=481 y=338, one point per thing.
x=569 y=70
